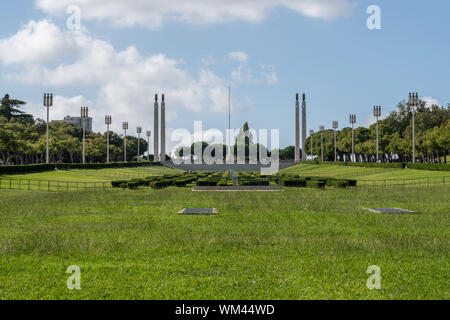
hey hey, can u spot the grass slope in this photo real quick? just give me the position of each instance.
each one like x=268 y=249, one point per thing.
x=297 y=244
x=362 y=173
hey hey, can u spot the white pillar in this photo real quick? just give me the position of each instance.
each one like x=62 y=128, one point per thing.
x=304 y=128
x=297 y=130
x=163 y=130
x=156 y=132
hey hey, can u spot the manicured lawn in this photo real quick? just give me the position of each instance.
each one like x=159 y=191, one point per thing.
x=297 y=244
x=87 y=175
x=367 y=174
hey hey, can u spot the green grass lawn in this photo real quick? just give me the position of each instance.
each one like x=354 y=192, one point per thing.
x=297 y=244
x=367 y=174
x=91 y=175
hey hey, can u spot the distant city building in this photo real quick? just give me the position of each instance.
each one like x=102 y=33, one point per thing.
x=77 y=121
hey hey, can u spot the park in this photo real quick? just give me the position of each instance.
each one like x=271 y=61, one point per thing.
x=224 y=157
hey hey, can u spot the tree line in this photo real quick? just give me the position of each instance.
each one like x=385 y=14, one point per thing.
x=395 y=137
x=23 y=140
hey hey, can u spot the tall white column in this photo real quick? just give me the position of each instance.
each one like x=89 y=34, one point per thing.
x=297 y=130
x=156 y=132
x=163 y=130
x=304 y=128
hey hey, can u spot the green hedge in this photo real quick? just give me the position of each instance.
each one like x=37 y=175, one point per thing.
x=294 y=182
x=68 y=166
x=428 y=166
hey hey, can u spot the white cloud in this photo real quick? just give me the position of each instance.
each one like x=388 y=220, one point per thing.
x=269 y=72
x=238 y=56
x=153 y=13
x=36 y=42
x=125 y=80
x=430 y=101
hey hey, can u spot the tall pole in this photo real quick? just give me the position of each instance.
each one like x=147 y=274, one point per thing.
x=84 y=116
x=335 y=126
x=125 y=128
x=149 y=134
x=353 y=121
x=48 y=102
x=163 y=129
x=297 y=129
x=413 y=102
x=304 y=127
x=138 y=131
x=321 y=129
x=377 y=114
x=156 y=131
x=108 y=121
x=230 y=151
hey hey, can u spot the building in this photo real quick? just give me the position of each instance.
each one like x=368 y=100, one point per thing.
x=77 y=121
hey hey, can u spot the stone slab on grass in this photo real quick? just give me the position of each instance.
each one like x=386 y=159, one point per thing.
x=198 y=211
x=390 y=211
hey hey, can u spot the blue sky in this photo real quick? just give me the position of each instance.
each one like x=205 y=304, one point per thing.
x=193 y=50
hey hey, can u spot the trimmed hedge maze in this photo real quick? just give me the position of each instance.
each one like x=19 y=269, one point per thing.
x=225 y=179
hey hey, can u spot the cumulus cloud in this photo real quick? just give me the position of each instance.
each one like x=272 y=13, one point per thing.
x=430 y=101
x=35 y=42
x=153 y=13
x=124 y=80
x=270 y=74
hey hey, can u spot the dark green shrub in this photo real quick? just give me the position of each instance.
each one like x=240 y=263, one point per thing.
x=352 y=183
x=316 y=184
x=118 y=183
x=296 y=183
x=207 y=182
x=132 y=185
x=429 y=166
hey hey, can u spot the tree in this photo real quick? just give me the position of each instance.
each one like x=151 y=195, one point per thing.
x=9 y=109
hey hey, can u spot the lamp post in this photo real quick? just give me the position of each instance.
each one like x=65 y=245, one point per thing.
x=413 y=102
x=48 y=102
x=311 y=133
x=377 y=114
x=108 y=122
x=321 y=129
x=84 y=116
x=125 y=128
x=353 y=121
x=149 y=134
x=138 y=131
x=335 y=126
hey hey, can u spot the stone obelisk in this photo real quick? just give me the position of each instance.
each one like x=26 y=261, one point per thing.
x=163 y=130
x=156 y=132
x=304 y=128
x=297 y=130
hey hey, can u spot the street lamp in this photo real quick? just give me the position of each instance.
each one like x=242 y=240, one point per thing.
x=413 y=102
x=311 y=133
x=353 y=121
x=138 y=131
x=335 y=126
x=377 y=114
x=48 y=102
x=321 y=129
x=149 y=134
x=125 y=128
x=108 y=122
x=84 y=116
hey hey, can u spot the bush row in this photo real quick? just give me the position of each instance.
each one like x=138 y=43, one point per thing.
x=68 y=166
x=391 y=165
